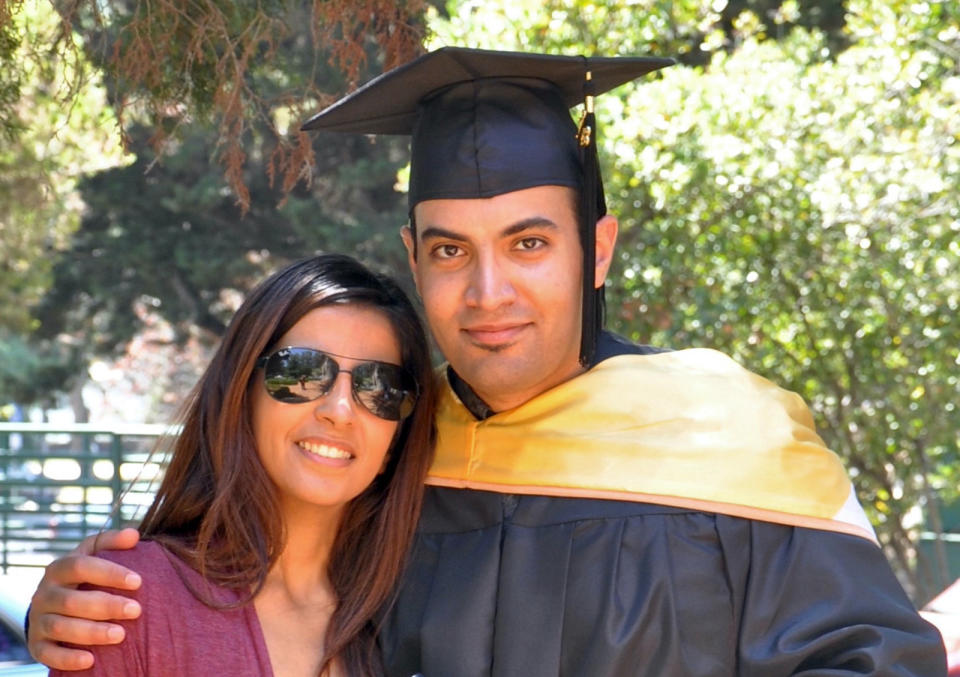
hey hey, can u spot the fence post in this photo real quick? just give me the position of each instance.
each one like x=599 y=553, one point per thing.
x=116 y=484
x=5 y=498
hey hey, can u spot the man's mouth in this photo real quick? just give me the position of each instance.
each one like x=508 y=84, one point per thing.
x=490 y=335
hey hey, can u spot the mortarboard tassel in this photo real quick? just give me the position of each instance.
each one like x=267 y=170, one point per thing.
x=592 y=207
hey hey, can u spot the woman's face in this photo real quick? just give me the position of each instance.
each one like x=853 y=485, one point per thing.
x=325 y=452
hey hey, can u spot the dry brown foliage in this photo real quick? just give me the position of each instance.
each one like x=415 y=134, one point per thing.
x=180 y=61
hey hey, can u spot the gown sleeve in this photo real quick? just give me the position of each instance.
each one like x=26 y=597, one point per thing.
x=818 y=604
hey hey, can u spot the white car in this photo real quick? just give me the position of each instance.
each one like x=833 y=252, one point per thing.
x=16 y=588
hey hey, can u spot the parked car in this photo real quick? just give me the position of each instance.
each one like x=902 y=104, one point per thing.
x=16 y=588
x=944 y=612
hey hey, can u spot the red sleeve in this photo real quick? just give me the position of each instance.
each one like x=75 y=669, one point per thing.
x=128 y=657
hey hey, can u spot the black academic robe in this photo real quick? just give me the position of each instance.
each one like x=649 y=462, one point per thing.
x=533 y=586
x=519 y=585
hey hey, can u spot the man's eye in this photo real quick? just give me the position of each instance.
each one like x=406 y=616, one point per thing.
x=530 y=243
x=446 y=251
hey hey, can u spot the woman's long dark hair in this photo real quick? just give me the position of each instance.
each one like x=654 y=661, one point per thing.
x=217 y=510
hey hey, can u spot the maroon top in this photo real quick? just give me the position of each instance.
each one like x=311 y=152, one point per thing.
x=177 y=634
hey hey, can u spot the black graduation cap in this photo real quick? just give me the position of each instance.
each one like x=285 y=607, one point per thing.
x=487 y=122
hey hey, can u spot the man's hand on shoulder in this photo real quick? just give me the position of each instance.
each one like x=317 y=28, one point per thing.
x=60 y=612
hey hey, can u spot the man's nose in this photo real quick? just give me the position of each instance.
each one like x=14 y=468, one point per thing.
x=491 y=285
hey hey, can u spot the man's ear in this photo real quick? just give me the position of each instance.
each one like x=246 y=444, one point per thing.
x=406 y=234
x=607 y=228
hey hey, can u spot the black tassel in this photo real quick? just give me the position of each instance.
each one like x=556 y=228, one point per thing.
x=592 y=207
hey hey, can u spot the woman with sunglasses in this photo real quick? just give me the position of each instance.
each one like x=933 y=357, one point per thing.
x=293 y=490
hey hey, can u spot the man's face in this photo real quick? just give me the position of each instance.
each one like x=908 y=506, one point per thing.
x=500 y=280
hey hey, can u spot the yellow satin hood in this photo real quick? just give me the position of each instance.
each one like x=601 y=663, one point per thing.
x=689 y=428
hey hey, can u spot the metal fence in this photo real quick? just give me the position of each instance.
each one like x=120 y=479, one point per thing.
x=61 y=483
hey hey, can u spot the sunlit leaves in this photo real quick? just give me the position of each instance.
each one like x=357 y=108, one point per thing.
x=803 y=217
x=58 y=129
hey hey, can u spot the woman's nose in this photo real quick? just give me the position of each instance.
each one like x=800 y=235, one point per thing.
x=337 y=405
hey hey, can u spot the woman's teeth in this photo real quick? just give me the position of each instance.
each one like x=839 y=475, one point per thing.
x=324 y=450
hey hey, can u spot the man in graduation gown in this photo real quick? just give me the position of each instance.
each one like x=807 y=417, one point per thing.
x=596 y=508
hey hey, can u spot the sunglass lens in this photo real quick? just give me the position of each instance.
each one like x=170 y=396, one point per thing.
x=297 y=375
x=380 y=388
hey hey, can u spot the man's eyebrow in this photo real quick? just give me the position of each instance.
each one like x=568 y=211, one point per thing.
x=435 y=232
x=527 y=224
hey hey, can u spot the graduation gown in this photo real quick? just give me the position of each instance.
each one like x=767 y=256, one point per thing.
x=662 y=514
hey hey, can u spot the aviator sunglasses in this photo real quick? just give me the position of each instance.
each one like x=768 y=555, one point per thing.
x=294 y=375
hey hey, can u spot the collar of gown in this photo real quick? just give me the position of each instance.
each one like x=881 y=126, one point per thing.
x=689 y=428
